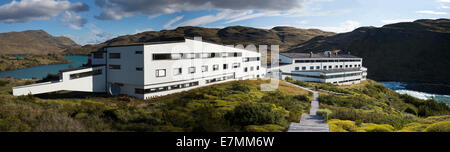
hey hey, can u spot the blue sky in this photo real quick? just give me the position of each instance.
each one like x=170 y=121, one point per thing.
x=94 y=21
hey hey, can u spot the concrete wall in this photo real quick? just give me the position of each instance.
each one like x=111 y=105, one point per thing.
x=85 y=84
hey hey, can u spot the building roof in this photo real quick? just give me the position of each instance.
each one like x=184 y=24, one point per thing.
x=318 y=55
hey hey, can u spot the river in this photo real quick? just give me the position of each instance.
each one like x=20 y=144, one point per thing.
x=40 y=72
x=400 y=87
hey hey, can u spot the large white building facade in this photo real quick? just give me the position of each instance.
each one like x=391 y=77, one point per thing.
x=326 y=67
x=160 y=68
x=155 y=69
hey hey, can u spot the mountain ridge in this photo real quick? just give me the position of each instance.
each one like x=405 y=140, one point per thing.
x=33 y=42
x=410 y=51
x=284 y=36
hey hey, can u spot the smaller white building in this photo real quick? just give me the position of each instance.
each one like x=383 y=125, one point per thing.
x=326 y=67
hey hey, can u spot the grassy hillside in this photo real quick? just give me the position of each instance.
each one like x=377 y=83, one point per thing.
x=371 y=107
x=283 y=36
x=8 y=62
x=231 y=106
x=33 y=42
x=412 y=51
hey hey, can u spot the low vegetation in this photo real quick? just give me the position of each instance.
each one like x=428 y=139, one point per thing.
x=9 y=62
x=371 y=107
x=231 y=106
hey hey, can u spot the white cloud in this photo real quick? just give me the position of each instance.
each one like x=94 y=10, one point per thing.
x=245 y=17
x=117 y=9
x=27 y=10
x=303 y=22
x=343 y=27
x=72 y=20
x=391 y=21
x=431 y=12
x=444 y=1
x=144 y=30
x=168 y=25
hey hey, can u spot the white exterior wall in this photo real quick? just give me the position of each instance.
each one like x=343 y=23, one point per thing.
x=129 y=78
x=298 y=68
x=85 y=84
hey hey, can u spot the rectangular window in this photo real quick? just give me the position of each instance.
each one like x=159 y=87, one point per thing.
x=245 y=69
x=162 y=56
x=139 y=69
x=257 y=67
x=139 y=52
x=297 y=68
x=205 y=68
x=324 y=67
x=114 y=55
x=98 y=55
x=215 y=67
x=336 y=66
x=225 y=66
x=346 y=66
x=330 y=67
x=340 y=66
x=304 y=68
x=177 y=71
x=236 y=65
x=191 y=70
x=139 y=91
x=85 y=74
x=161 y=73
x=311 y=68
x=252 y=68
x=318 y=67
x=115 y=67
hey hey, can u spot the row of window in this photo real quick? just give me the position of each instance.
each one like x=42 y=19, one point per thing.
x=323 y=76
x=165 y=88
x=349 y=80
x=320 y=61
x=250 y=59
x=204 y=68
x=303 y=68
x=219 y=79
x=85 y=74
x=179 y=56
x=342 y=75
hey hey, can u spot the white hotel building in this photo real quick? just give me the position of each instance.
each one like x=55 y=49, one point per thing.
x=159 y=68
x=326 y=67
x=155 y=69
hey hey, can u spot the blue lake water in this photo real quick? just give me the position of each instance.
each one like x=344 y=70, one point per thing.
x=400 y=87
x=42 y=71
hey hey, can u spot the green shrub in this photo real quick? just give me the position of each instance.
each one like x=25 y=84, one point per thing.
x=256 y=114
x=264 y=128
x=324 y=113
x=240 y=86
x=342 y=126
x=443 y=126
x=370 y=127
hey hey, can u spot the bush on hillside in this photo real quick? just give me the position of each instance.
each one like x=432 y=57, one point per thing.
x=256 y=114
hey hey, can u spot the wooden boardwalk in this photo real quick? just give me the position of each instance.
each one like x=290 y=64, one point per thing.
x=310 y=122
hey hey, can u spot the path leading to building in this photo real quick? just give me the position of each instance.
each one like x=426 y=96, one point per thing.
x=310 y=122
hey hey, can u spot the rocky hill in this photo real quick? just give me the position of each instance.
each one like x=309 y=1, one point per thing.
x=33 y=42
x=416 y=51
x=283 y=36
